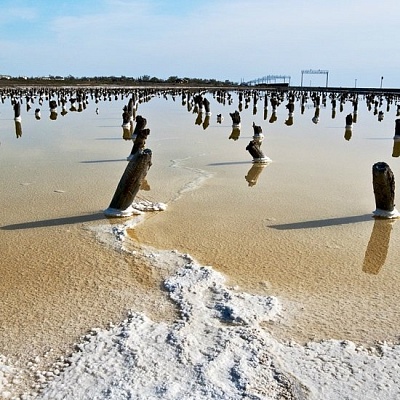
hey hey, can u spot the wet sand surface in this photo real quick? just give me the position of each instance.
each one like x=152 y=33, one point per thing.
x=304 y=232
x=57 y=279
x=301 y=232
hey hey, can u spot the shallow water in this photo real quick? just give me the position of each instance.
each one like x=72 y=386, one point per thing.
x=302 y=230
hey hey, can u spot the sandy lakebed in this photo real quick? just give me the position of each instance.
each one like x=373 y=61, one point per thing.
x=267 y=281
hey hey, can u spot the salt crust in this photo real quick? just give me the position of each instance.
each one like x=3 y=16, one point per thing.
x=215 y=350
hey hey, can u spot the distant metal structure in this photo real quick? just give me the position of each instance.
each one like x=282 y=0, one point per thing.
x=269 y=79
x=314 y=71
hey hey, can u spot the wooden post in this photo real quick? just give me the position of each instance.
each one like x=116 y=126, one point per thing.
x=254 y=149
x=129 y=185
x=235 y=118
x=384 y=188
x=139 y=136
x=349 y=127
x=17 y=111
x=53 y=110
x=18 y=128
x=206 y=104
x=257 y=134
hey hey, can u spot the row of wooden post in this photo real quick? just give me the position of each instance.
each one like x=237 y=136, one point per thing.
x=140 y=162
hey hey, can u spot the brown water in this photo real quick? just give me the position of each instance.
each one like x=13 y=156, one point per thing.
x=303 y=231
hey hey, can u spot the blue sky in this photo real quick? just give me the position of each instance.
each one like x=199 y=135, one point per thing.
x=355 y=40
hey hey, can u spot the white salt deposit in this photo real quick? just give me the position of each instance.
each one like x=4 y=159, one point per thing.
x=215 y=349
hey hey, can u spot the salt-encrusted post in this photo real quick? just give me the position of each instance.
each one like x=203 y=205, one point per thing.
x=349 y=127
x=129 y=185
x=17 y=111
x=384 y=187
x=206 y=104
x=235 y=118
x=139 y=136
x=257 y=134
x=53 y=110
x=258 y=156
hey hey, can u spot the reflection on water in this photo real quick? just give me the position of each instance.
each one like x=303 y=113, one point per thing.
x=18 y=129
x=254 y=173
x=378 y=246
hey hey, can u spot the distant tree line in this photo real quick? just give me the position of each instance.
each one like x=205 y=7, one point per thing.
x=123 y=80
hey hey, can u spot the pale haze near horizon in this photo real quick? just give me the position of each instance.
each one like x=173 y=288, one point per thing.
x=356 y=41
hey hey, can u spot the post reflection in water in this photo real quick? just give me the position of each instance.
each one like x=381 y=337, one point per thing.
x=349 y=127
x=396 y=147
x=235 y=134
x=273 y=117
x=254 y=173
x=199 y=119
x=18 y=128
x=378 y=246
x=206 y=122
x=315 y=118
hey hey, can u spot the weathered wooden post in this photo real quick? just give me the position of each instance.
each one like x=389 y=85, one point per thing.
x=235 y=118
x=333 y=103
x=384 y=190
x=206 y=104
x=126 y=124
x=18 y=128
x=53 y=109
x=17 y=111
x=139 y=136
x=199 y=102
x=129 y=185
x=349 y=127
x=257 y=134
x=255 y=151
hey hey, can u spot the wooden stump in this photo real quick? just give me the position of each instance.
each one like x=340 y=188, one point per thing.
x=129 y=185
x=18 y=128
x=384 y=189
x=206 y=104
x=257 y=133
x=17 y=111
x=235 y=118
x=139 y=136
x=254 y=149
